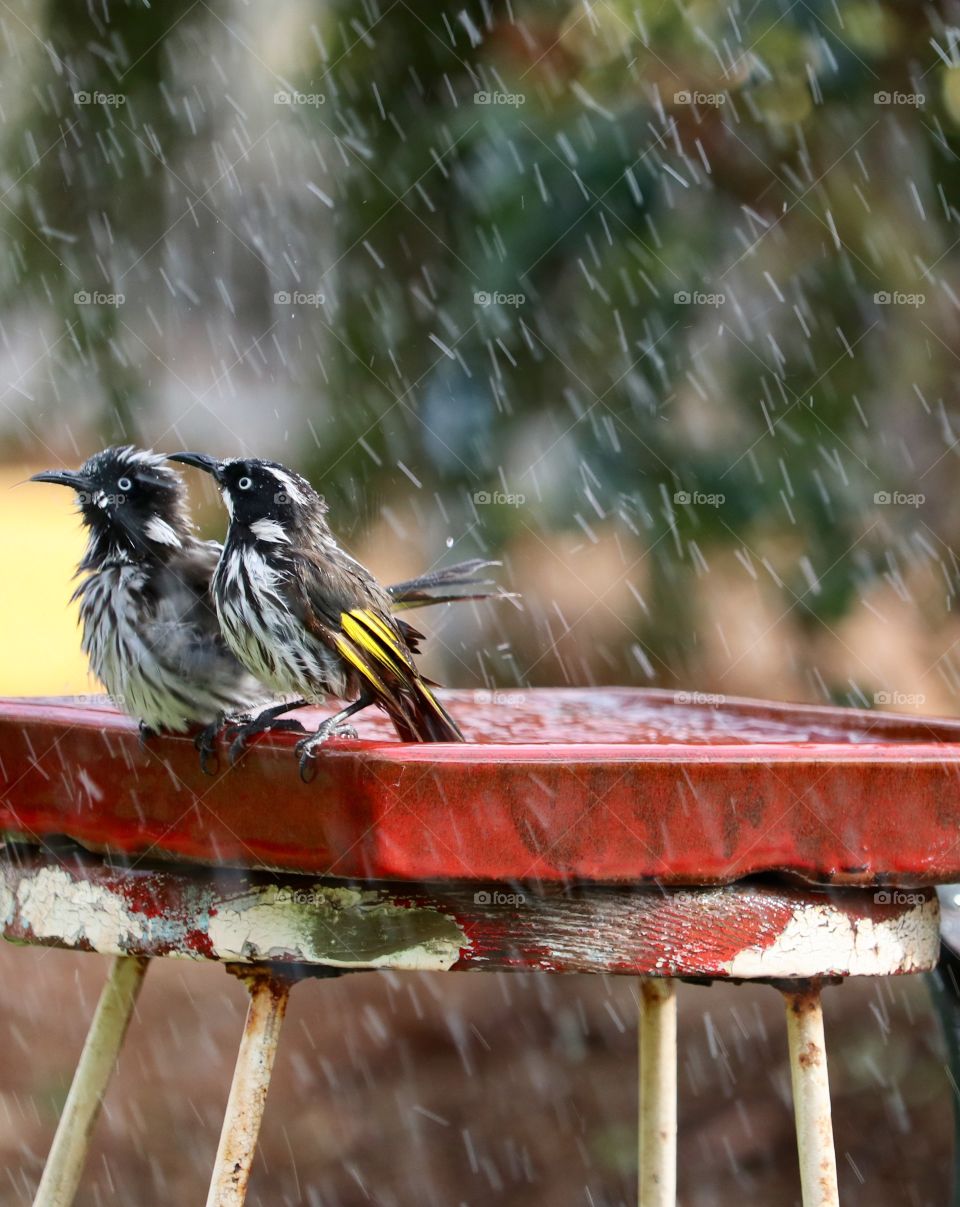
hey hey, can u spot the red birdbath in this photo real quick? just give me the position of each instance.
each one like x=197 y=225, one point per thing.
x=648 y=833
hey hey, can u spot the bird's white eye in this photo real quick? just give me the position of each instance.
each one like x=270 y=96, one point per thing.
x=124 y=484
x=245 y=483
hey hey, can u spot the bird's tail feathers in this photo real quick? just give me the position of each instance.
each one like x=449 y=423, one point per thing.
x=446 y=586
x=420 y=717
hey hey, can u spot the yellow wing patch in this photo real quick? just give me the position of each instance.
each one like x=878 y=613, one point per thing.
x=366 y=630
x=365 y=633
x=373 y=621
x=348 y=650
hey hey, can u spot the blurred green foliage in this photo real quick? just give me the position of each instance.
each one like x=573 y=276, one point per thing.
x=790 y=165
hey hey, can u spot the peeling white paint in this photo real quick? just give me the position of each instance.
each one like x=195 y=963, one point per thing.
x=261 y=927
x=339 y=927
x=820 y=940
x=55 y=906
x=7 y=904
x=363 y=927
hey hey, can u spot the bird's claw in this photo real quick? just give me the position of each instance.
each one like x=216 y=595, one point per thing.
x=145 y=733
x=307 y=747
x=239 y=735
x=206 y=740
x=205 y=744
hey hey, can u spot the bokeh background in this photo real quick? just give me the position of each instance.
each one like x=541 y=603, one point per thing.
x=657 y=302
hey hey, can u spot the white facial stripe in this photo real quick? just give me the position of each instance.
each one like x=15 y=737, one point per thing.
x=126 y=461
x=269 y=530
x=160 y=531
x=290 y=487
x=142 y=456
x=227 y=502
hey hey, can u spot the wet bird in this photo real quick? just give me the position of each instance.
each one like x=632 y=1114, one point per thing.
x=306 y=618
x=150 y=628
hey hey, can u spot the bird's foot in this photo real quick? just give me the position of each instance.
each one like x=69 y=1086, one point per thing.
x=206 y=740
x=239 y=734
x=145 y=733
x=307 y=747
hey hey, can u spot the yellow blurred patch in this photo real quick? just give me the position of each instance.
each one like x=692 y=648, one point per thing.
x=950 y=83
x=42 y=541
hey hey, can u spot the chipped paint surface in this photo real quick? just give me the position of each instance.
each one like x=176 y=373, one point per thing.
x=749 y=931
x=819 y=939
x=55 y=906
x=320 y=924
x=342 y=927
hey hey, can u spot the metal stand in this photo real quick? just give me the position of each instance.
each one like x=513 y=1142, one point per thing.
x=269 y=995
x=658 y=1092
x=782 y=935
x=811 y=1098
x=64 y=1167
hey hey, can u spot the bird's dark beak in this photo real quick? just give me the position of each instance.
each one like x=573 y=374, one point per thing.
x=209 y=465
x=64 y=477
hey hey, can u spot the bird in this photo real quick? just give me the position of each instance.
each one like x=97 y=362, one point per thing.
x=304 y=616
x=150 y=628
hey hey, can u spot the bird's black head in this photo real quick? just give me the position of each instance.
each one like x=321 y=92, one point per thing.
x=132 y=503
x=266 y=501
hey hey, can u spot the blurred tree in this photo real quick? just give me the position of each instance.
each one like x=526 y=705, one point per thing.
x=681 y=279
x=84 y=176
x=609 y=165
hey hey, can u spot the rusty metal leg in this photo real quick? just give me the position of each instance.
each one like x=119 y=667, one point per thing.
x=811 y=1098
x=269 y=994
x=658 y=1092
x=61 y=1175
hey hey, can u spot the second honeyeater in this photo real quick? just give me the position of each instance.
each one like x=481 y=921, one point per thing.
x=304 y=616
